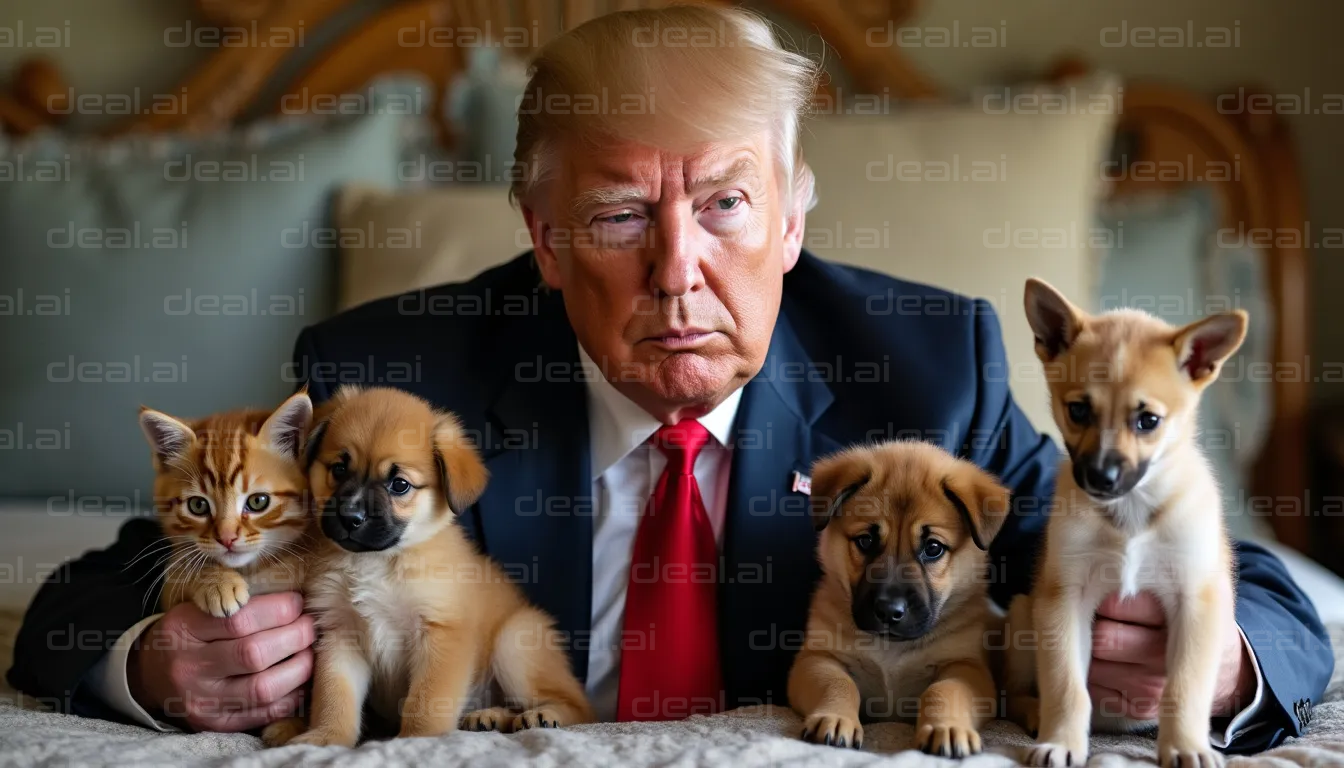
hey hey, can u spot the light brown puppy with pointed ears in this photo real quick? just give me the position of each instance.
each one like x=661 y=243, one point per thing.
x=1136 y=509
x=411 y=617
x=897 y=622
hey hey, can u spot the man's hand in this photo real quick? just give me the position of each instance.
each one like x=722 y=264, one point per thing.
x=1129 y=661
x=231 y=674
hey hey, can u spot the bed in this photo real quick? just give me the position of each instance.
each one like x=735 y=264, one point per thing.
x=1160 y=141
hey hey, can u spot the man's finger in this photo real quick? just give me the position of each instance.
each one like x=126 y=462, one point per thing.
x=1129 y=643
x=1143 y=608
x=246 y=720
x=259 y=651
x=1131 y=680
x=261 y=612
x=249 y=691
x=1113 y=703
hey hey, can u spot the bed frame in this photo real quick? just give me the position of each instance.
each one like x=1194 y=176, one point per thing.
x=1161 y=127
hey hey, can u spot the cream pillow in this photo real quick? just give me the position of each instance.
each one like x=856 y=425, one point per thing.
x=393 y=242
x=972 y=200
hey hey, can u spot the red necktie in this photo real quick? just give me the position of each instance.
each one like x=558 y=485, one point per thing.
x=670 y=654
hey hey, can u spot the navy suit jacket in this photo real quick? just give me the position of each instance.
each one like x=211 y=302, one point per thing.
x=855 y=357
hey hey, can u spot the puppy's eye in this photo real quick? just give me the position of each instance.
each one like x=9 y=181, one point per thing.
x=258 y=502
x=339 y=471
x=1080 y=413
x=865 y=542
x=198 y=505
x=399 y=486
x=1147 y=421
x=933 y=549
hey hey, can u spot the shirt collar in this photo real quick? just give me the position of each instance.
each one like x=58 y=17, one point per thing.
x=617 y=426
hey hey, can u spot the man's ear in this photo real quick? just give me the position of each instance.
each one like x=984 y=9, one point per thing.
x=980 y=501
x=168 y=438
x=539 y=229
x=284 y=430
x=1204 y=345
x=835 y=479
x=462 y=475
x=1054 y=320
x=795 y=218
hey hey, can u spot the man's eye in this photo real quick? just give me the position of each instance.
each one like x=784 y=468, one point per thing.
x=728 y=203
x=619 y=218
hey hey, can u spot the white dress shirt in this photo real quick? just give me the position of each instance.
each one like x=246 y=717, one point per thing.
x=625 y=470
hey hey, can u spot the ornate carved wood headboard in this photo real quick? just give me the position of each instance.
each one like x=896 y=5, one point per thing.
x=1160 y=125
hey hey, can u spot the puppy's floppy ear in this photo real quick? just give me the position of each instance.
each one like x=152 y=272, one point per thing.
x=1203 y=346
x=835 y=479
x=1054 y=320
x=168 y=437
x=980 y=501
x=462 y=476
x=284 y=430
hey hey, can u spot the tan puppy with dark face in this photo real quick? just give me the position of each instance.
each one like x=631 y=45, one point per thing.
x=1136 y=509
x=897 y=622
x=410 y=616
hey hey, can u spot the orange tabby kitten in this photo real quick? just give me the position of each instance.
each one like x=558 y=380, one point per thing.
x=231 y=498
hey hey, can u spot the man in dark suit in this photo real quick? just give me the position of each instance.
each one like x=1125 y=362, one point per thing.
x=663 y=367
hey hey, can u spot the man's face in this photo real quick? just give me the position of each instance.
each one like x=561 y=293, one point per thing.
x=672 y=265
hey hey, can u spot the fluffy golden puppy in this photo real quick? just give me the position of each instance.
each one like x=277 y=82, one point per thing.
x=411 y=617
x=897 y=623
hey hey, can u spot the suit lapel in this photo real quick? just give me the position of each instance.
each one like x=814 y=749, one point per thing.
x=537 y=514
x=769 y=544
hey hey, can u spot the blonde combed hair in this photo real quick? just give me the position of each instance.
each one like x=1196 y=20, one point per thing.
x=673 y=78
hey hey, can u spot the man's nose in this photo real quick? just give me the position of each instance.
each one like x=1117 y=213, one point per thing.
x=676 y=262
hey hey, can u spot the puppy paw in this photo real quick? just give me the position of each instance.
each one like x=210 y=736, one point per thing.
x=1195 y=754
x=320 y=737
x=222 y=597
x=833 y=731
x=1051 y=755
x=492 y=719
x=541 y=717
x=283 y=731
x=947 y=740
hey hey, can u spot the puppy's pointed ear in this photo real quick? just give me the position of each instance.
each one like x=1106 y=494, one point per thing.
x=313 y=443
x=1204 y=345
x=284 y=430
x=980 y=501
x=462 y=475
x=834 y=480
x=1054 y=320
x=168 y=438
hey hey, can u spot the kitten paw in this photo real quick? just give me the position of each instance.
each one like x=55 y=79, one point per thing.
x=1193 y=755
x=1049 y=755
x=223 y=597
x=948 y=740
x=492 y=719
x=833 y=731
x=541 y=717
x=283 y=731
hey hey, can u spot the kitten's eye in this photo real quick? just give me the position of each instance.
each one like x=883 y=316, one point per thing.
x=198 y=505
x=1080 y=413
x=1147 y=421
x=933 y=549
x=399 y=486
x=258 y=501
x=338 y=471
x=865 y=542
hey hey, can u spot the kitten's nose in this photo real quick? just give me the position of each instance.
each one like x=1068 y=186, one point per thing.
x=227 y=542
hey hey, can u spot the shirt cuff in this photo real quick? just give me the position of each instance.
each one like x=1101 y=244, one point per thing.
x=107 y=680
x=1244 y=721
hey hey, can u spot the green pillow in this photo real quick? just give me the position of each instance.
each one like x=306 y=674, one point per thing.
x=170 y=272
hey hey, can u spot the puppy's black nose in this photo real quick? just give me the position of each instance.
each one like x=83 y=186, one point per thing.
x=352 y=514
x=889 y=610
x=1103 y=475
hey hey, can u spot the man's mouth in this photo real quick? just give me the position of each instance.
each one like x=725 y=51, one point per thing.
x=687 y=338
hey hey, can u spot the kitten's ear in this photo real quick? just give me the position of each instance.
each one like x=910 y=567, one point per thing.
x=1054 y=320
x=462 y=476
x=168 y=437
x=284 y=430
